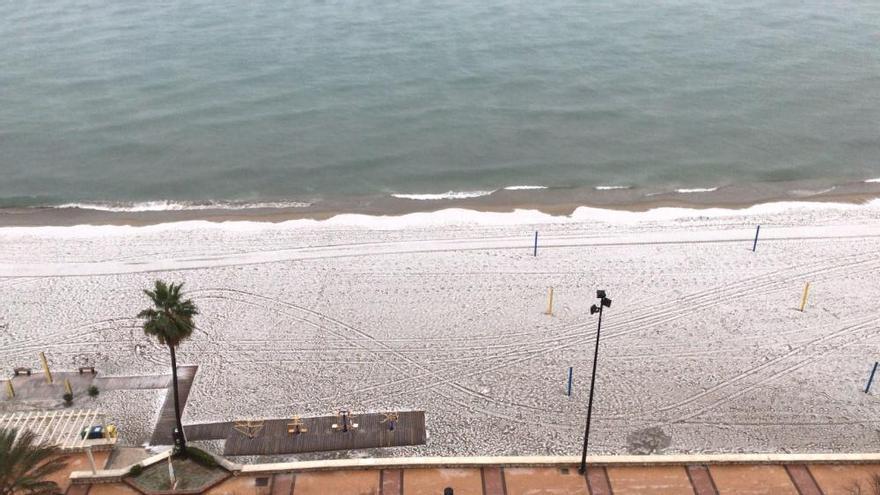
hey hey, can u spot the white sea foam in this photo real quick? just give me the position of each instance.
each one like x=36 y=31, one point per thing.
x=696 y=190
x=524 y=188
x=610 y=188
x=446 y=195
x=449 y=216
x=810 y=192
x=145 y=206
x=873 y=180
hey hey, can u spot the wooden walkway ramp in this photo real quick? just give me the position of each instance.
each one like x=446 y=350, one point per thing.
x=144 y=382
x=163 y=432
x=271 y=437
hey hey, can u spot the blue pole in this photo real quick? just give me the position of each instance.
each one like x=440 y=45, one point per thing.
x=871 y=378
x=570 y=371
x=755 y=245
x=536 y=243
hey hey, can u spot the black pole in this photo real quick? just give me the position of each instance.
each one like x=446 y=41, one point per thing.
x=583 y=468
x=179 y=437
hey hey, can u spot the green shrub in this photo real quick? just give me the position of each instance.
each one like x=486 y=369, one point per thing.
x=136 y=470
x=68 y=399
x=201 y=457
x=93 y=391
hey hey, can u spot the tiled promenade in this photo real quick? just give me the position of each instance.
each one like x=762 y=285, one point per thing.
x=629 y=480
x=660 y=478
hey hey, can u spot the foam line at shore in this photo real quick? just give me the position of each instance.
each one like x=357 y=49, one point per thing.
x=524 y=188
x=446 y=217
x=696 y=190
x=446 y=195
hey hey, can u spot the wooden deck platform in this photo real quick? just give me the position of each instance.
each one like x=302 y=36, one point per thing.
x=272 y=438
x=142 y=382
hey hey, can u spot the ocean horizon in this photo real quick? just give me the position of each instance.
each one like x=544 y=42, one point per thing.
x=131 y=107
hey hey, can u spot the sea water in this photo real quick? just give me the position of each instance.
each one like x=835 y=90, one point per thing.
x=282 y=102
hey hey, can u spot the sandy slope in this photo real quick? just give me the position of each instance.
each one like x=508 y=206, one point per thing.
x=703 y=339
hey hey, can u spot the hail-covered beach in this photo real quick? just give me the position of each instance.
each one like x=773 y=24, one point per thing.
x=446 y=312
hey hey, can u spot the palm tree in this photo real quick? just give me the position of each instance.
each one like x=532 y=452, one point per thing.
x=170 y=320
x=24 y=463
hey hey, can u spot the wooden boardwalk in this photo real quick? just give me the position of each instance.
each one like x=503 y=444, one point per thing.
x=143 y=382
x=208 y=431
x=272 y=438
x=163 y=432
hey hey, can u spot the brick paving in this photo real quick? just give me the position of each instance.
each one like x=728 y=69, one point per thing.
x=493 y=481
x=392 y=481
x=283 y=484
x=803 y=480
x=649 y=480
x=744 y=479
x=749 y=479
x=701 y=480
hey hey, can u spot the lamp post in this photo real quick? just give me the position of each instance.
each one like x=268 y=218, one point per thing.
x=604 y=302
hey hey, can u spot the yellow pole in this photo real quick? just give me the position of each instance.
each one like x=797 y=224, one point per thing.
x=46 y=367
x=10 y=391
x=68 y=387
x=804 y=299
x=550 y=303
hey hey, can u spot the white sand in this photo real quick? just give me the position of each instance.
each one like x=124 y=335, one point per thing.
x=444 y=312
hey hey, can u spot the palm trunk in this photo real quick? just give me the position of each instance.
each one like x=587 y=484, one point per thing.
x=176 y=399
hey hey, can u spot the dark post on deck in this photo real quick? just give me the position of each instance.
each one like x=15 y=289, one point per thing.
x=871 y=378
x=755 y=244
x=536 y=243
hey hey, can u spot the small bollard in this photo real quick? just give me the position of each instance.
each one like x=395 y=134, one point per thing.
x=755 y=245
x=871 y=378
x=570 y=373
x=804 y=299
x=46 y=368
x=536 y=243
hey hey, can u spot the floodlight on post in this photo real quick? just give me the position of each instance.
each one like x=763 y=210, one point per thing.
x=604 y=302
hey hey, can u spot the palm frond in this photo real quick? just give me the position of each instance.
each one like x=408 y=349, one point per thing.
x=24 y=463
x=170 y=319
